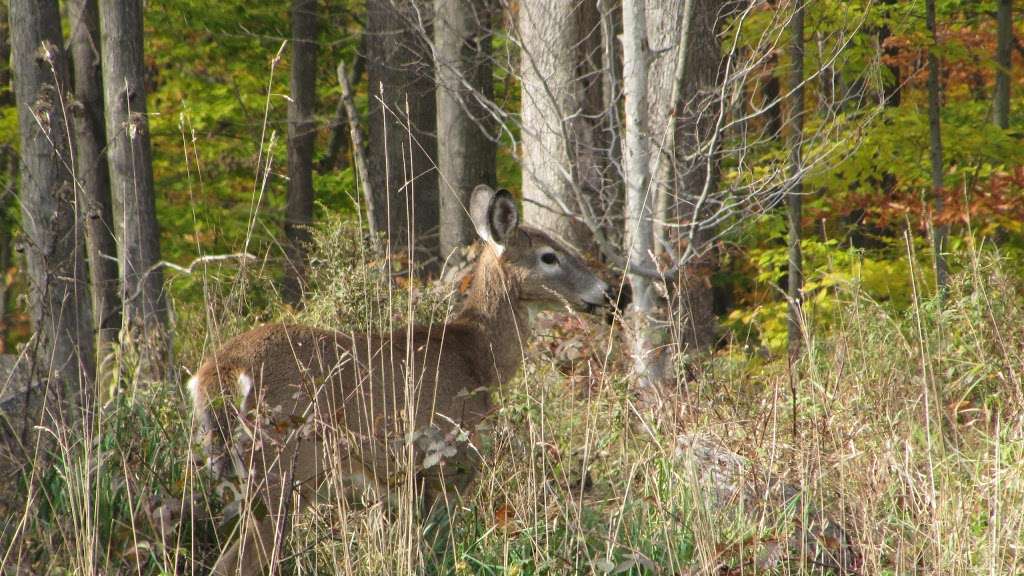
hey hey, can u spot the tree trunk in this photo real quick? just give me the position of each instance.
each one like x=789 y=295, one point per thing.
x=598 y=185
x=612 y=197
x=8 y=169
x=549 y=33
x=358 y=151
x=403 y=123
x=891 y=90
x=131 y=181
x=1005 y=61
x=340 y=125
x=301 y=140
x=773 y=106
x=794 y=198
x=685 y=133
x=94 y=179
x=639 y=227
x=6 y=95
x=462 y=44
x=62 y=346
x=940 y=231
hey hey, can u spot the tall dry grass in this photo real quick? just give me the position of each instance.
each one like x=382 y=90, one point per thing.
x=899 y=429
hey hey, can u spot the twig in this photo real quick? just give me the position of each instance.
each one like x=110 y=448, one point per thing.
x=242 y=257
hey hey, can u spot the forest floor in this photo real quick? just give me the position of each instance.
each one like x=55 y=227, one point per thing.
x=892 y=446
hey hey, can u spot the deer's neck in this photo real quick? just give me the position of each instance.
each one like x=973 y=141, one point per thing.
x=493 y=310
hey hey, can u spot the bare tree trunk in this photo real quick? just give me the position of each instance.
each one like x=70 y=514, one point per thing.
x=1004 y=61
x=8 y=169
x=301 y=140
x=358 y=151
x=685 y=114
x=339 y=127
x=402 y=146
x=612 y=197
x=6 y=95
x=794 y=199
x=462 y=43
x=62 y=346
x=549 y=32
x=773 y=106
x=891 y=90
x=941 y=231
x=131 y=181
x=598 y=180
x=94 y=179
x=639 y=200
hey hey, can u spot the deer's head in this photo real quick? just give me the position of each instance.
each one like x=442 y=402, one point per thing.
x=544 y=270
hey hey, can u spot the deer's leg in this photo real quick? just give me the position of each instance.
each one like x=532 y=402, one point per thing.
x=440 y=499
x=262 y=529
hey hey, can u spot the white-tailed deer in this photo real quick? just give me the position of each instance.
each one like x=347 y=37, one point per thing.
x=287 y=407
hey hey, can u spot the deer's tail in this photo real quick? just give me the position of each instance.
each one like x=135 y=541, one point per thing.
x=219 y=398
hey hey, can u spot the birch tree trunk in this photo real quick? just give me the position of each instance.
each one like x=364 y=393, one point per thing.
x=62 y=349
x=94 y=179
x=301 y=140
x=1004 y=61
x=794 y=199
x=403 y=124
x=639 y=201
x=462 y=43
x=940 y=231
x=131 y=181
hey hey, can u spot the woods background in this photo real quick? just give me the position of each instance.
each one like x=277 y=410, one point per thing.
x=817 y=204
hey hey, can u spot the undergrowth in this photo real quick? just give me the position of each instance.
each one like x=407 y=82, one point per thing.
x=902 y=425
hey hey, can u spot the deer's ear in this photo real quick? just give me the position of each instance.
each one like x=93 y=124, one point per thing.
x=494 y=214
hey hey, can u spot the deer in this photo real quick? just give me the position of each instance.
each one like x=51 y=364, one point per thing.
x=284 y=407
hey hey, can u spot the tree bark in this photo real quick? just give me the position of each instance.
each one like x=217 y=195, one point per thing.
x=940 y=231
x=549 y=32
x=893 y=88
x=403 y=123
x=301 y=140
x=131 y=181
x=794 y=198
x=773 y=106
x=462 y=44
x=639 y=200
x=612 y=196
x=1004 y=61
x=94 y=179
x=59 y=303
x=8 y=169
x=598 y=181
x=6 y=95
x=684 y=116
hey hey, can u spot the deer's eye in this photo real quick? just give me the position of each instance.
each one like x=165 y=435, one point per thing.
x=549 y=258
